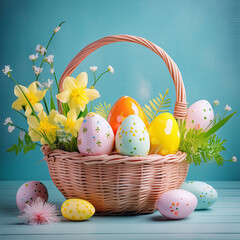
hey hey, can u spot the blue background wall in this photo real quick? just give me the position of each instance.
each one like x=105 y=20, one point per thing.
x=201 y=36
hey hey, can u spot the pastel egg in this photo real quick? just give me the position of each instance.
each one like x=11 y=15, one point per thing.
x=205 y=193
x=95 y=136
x=164 y=134
x=77 y=209
x=199 y=115
x=132 y=138
x=29 y=191
x=177 y=204
x=124 y=107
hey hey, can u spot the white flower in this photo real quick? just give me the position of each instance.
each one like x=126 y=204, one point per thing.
x=216 y=102
x=7 y=121
x=94 y=68
x=7 y=70
x=57 y=29
x=10 y=128
x=39 y=85
x=37 y=70
x=22 y=135
x=49 y=58
x=48 y=84
x=234 y=159
x=52 y=70
x=42 y=50
x=111 y=69
x=228 y=108
x=33 y=57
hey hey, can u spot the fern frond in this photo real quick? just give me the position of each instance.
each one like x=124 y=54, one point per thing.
x=103 y=109
x=157 y=105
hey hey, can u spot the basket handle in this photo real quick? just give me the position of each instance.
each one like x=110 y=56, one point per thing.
x=180 y=110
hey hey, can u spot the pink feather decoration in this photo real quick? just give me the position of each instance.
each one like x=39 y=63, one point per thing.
x=40 y=212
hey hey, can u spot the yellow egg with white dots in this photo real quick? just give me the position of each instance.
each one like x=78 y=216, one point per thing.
x=164 y=134
x=77 y=209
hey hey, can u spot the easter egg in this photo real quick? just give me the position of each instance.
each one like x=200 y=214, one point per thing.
x=177 y=204
x=199 y=115
x=205 y=193
x=29 y=191
x=164 y=134
x=124 y=107
x=77 y=209
x=132 y=138
x=95 y=136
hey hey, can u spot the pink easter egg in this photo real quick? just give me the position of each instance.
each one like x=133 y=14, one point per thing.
x=29 y=191
x=177 y=204
x=95 y=136
x=199 y=115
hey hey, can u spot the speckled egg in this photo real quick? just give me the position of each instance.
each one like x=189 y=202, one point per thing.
x=177 y=204
x=95 y=136
x=29 y=191
x=124 y=107
x=205 y=193
x=77 y=209
x=199 y=115
x=132 y=138
x=164 y=134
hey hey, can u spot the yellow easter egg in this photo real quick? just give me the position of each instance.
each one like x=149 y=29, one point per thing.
x=164 y=134
x=77 y=209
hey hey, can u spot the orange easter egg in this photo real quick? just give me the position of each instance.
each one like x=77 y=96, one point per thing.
x=124 y=107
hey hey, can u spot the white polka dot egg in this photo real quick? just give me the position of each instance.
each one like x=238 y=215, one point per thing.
x=199 y=115
x=77 y=209
x=132 y=138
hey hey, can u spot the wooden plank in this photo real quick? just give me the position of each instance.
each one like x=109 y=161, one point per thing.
x=124 y=236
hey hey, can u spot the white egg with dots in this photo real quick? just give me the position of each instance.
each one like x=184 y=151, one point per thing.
x=199 y=115
x=132 y=138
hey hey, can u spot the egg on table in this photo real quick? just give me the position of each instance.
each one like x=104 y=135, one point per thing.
x=29 y=191
x=199 y=115
x=77 y=209
x=95 y=136
x=132 y=138
x=124 y=107
x=204 y=192
x=177 y=204
x=164 y=134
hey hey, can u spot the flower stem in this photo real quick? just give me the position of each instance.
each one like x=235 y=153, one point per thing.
x=22 y=129
x=45 y=103
x=99 y=77
x=20 y=113
x=25 y=97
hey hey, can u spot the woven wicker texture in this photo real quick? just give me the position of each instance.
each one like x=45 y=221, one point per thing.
x=117 y=184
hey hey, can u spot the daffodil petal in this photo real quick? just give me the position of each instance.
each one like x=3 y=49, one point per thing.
x=33 y=87
x=17 y=105
x=52 y=116
x=69 y=84
x=34 y=136
x=78 y=124
x=42 y=115
x=61 y=119
x=43 y=141
x=40 y=94
x=28 y=110
x=38 y=107
x=32 y=122
x=18 y=92
x=72 y=114
x=82 y=80
x=92 y=94
x=64 y=96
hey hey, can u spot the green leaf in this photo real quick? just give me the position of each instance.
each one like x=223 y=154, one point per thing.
x=52 y=104
x=218 y=125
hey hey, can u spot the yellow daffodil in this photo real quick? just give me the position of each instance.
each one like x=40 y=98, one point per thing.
x=33 y=95
x=71 y=123
x=45 y=128
x=75 y=92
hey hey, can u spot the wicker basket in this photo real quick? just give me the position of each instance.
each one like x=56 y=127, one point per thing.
x=117 y=184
